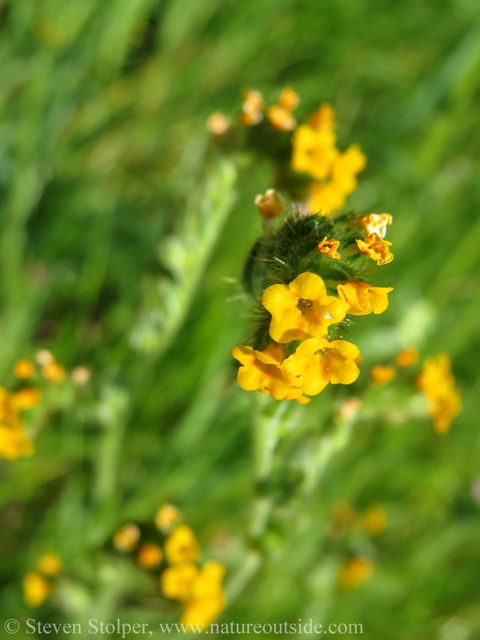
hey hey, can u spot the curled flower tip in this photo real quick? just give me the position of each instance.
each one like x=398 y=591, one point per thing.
x=24 y=369
x=289 y=99
x=362 y=299
x=324 y=118
x=270 y=205
x=126 y=538
x=301 y=309
x=328 y=247
x=252 y=107
x=281 y=118
x=382 y=375
x=407 y=358
x=376 y=223
x=376 y=249
x=218 y=124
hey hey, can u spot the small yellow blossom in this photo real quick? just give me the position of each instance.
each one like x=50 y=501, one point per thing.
x=27 y=398
x=270 y=205
x=328 y=247
x=318 y=362
x=14 y=443
x=345 y=168
x=24 y=369
x=376 y=223
x=126 y=538
x=182 y=546
x=203 y=611
x=252 y=107
x=376 y=248
x=354 y=572
x=382 y=375
x=314 y=151
x=325 y=198
x=35 y=589
x=53 y=372
x=301 y=309
x=407 y=358
x=374 y=520
x=81 y=375
x=262 y=371
x=208 y=582
x=324 y=118
x=289 y=99
x=176 y=582
x=281 y=118
x=361 y=298
x=50 y=564
x=167 y=515
x=438 y=384
x=218 y=124
x=149 y=555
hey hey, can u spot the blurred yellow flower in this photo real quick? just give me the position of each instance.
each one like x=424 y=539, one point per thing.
x=289 y=99
x=44 y=357
x=438 y=384
x=27 y=398
x=301 y=309
x=182 y=546
x=218 y=124
x=126 y=538
x=376 y=248
x=176 y=581
x=252 y=107
x=318 y=362
x=281 y=118
x=328 y=247
x=262 y=371
x=167 y=515
x=407 y=358
x=354 y=572
x=376 y=223
x=35 y=589
x=323 y=119
x=374 y=520
x=361 y=298
x=270 y=205
x=149 y=555
x=345 y=168
x=208 y=582
x=325 y=197
x=203 y=611
x=24 y=369
x=14 y=443
x=53 y=372
x=81 y=375
x=382 y=375
x=314 y=151
x=50 y=564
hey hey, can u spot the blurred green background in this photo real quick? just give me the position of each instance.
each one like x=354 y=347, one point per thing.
x=111 y=193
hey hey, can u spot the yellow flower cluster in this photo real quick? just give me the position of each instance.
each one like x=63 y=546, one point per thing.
x=36 y=588
x=315 y=153
x=14 y=442
x=438 y=385
x=381 y=374
x=199 y=589
x=302 y=310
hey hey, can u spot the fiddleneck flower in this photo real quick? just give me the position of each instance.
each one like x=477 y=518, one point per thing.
x=362 y=299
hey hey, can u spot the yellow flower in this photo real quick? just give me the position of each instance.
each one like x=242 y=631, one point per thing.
x=261 y=371
x=375 y=520
x=301 y=309
x=438 y=384
x=270 y=205
x=203 y=611
x=14 y=443
x=382 y=375
x=362 y=298
x=44 y=357
x=252 y=107
x=149 y=555
x=126 y=538
x=324 y=198
x=176 y=582
x=24 y=369
x=376 y=223
x=313 y=151
x=354 y=572
x=317 y=362
x=167 y=515
x=329 y=248
x=289 y=99
x=407 y=357
x=324 y=118
x=345 y=168
x=53 y=372
x=376 y=248
x=27 y=398
x=281 y=118
x=182 y=546
x=218 y=124
x=35 y=589
x=50 y=564
x=208 y=582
